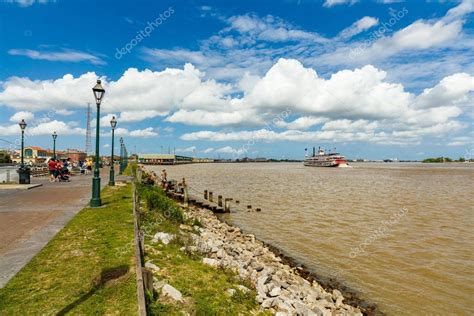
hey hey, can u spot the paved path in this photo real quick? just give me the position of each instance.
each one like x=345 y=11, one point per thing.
x=30 y=218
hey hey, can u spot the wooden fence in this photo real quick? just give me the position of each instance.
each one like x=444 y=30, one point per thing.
x=144 y=276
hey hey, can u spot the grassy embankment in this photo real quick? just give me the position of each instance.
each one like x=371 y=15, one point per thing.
x=87 y=268
x=204 y=288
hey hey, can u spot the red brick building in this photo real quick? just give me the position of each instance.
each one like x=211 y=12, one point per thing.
x=76 y=155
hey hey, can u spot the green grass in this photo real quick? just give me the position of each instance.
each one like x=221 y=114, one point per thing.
x=203 y=287
x=87 y=268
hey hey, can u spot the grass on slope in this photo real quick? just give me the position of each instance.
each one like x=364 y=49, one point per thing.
x=204 y=288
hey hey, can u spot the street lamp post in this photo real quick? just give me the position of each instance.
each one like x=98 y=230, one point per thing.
x=124 y=157
x=121 y=156
x=23 y=172
x=22 y=126
x=113 y=123
x=98 y=95
x=54 y=144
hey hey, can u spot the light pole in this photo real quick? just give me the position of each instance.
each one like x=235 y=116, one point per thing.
x=54 y=144
x=125 y=156
x=23 y=173
x=121 y=156
x=113 y=123
x=23 y=127
x=98 y=95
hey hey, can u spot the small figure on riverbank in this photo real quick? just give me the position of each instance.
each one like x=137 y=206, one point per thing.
x=164 y=180
x=180 y=186
x=149 y=180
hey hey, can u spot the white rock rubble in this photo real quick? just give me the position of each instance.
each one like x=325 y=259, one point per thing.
x=279 y=287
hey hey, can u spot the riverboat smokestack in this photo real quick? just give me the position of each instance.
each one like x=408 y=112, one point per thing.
x=314 y=151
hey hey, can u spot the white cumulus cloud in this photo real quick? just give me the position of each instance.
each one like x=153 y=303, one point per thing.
x=64 y=55
x=190 y=149
x=331 y=3
x=146 y=132
x=22 y=115
x=46 y=127
x=359 y=26
x=359 y=100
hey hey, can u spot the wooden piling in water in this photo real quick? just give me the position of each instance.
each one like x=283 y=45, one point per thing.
x=249 y=208
x=210 y=197
x=205 y=194
x=227 y=205
x=258 y=209
x=219 y=200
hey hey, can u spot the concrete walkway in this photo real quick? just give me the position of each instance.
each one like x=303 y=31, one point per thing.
x=10 y=186
x=30 y=218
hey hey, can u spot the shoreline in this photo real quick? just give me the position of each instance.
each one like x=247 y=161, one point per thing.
x=351 y=297
x=302 y=291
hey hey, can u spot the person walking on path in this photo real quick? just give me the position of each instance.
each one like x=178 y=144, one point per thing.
x=52 y=169
x=57 y=170
x=89 y=166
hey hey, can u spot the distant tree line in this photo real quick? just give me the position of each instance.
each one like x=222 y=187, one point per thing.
x=444 y=159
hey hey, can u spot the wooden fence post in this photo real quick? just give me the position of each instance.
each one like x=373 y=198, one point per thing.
x=186 y=195
x=139 y=174
x=147 y=279
x=144 y=278
x=227 y=204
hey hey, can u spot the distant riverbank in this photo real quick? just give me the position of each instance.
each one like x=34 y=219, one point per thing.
x=446 y=159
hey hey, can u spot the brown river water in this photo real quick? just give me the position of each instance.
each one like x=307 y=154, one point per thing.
x=400 y=234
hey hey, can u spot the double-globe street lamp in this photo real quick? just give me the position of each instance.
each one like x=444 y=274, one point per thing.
x=113 y=123
x=23 y=172
x=54 y=144
x=99 y=92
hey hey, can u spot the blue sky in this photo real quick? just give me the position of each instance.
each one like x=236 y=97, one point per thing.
x=376 y=79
